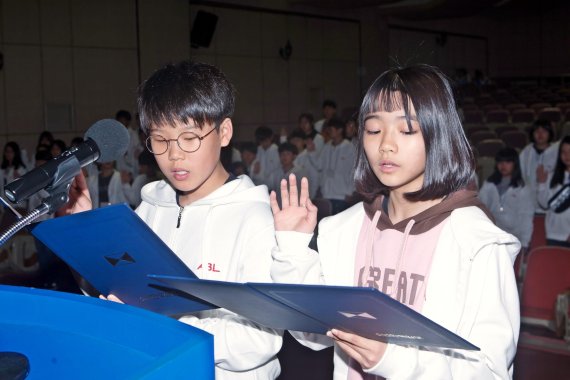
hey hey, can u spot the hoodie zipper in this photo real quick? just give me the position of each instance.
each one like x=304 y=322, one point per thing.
x=179 y=216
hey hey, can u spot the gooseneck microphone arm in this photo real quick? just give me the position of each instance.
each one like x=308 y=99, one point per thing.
x=58 y=196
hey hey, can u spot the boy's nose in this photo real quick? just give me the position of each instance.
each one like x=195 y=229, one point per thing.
x=174 y=152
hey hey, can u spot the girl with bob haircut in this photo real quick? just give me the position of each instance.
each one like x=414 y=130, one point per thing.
x=420 y=236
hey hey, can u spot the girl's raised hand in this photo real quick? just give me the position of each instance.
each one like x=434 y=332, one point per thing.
x=297 y=212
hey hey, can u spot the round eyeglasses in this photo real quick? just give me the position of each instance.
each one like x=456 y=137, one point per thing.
x=188 y=142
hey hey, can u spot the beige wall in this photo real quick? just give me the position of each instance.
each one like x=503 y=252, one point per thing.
x=69 y=63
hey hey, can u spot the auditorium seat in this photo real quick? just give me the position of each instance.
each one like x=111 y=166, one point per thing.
x=489 y=147
x=522 y=116
x=547 y=275
x=515 y=139
x=497 y=116
x=478 y=136
x=553 y=114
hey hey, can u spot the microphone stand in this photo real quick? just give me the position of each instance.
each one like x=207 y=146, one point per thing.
x=58 y=196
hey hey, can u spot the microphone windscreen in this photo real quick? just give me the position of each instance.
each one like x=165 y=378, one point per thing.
x=111 y=137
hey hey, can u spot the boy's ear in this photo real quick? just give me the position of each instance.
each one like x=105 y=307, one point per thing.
x=226 y=132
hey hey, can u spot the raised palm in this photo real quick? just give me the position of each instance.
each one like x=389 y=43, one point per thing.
x=297 y=212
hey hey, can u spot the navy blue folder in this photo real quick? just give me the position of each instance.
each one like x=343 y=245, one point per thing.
x=318 y=308
x=114 y=250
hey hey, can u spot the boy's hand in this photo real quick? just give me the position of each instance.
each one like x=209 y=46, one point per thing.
x=297 y=213
x=111 y=297
x=366 y=352
x=79 y=198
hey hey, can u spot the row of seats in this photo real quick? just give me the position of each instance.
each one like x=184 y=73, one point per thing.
x=543 y=274
x=520 y=115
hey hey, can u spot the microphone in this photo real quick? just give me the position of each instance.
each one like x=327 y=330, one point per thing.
x=105 y=141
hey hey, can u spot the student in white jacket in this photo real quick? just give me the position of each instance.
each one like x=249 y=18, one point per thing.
x=534 y=155
x=507 y=196
x=220 y=226
x=107 y=186
x=552 y=197
x=414 y=162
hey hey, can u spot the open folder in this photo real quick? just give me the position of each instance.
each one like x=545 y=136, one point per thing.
x=114 y=250
x=318 y=308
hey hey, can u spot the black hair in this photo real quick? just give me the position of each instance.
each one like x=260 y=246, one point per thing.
x=507 y=154
x=560 y=168
x=60 y=144
x=77 y=140
x=263 y=133
x=43 y=155
x=335 y=123
x=329 y=103
x=123 y=114
x=288 y=147
x=296 y=134
x=248 y=146
x=45 y=135
x=184 y=92
x=307 y=116
x=449 y=159
x=544 y=124
x=17 y=162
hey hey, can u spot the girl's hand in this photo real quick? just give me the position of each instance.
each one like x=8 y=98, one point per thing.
x=79 y=198
x=297 y=212
x=541 y=174
x=366 y=352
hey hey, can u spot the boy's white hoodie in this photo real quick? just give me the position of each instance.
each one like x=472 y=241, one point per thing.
x=225 y=236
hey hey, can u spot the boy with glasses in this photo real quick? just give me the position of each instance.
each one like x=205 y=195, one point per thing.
x=219 y=225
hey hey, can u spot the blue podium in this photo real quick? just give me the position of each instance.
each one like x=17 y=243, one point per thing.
x=68 y=336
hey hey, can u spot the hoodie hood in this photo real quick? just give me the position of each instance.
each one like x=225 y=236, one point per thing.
x=239 y=190
x=427 y=219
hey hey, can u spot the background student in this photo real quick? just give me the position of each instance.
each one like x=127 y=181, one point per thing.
x=508 y=198
x=220 y=226
x=557 y=222
x=419 y=224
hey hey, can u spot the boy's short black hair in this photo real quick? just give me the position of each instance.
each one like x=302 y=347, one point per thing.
x=263 y=133
x=43 y=155
x=248 y=146
x=296 y=134
x=329 y=103
x=544 y=124
x=335 y=123
x=288 y=147
x=184 y=92
x=123 y=114
x=308 y=116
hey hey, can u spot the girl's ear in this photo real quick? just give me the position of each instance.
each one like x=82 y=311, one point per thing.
x=225 y=132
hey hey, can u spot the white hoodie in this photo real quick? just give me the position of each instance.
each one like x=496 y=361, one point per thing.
x=226 y=236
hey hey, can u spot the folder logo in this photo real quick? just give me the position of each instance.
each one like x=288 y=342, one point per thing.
x=352 y=314
x=123 y=259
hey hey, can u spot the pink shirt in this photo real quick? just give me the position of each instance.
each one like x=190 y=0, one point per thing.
x=396 y=263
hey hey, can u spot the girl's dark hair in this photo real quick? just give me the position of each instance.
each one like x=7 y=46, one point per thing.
x=544 y=124
x=184 y=92
x=510 y=155
x=45 y=135
x=60 y=144
x=17 y=162
x=560 y=168
x=449 y=158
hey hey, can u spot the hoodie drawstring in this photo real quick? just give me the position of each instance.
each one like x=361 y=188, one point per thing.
x=402 y=250
x=179 y=216
x=370 y=246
